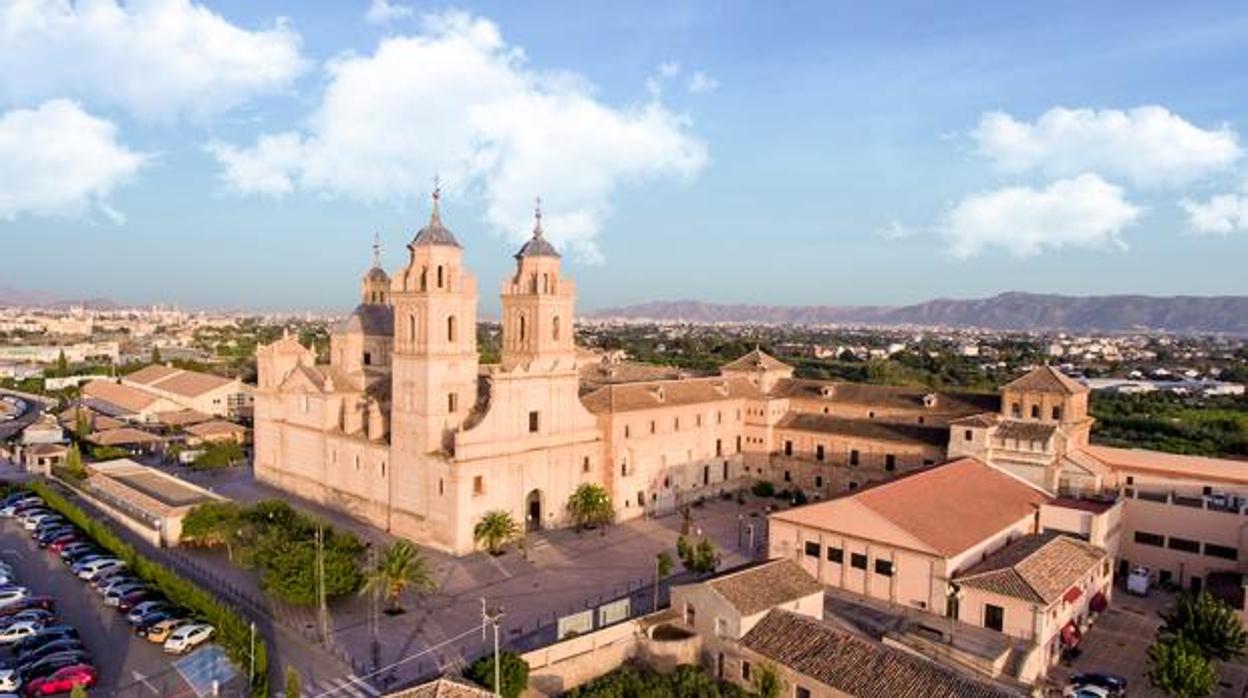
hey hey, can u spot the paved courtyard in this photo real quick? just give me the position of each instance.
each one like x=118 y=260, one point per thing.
x=555 y=574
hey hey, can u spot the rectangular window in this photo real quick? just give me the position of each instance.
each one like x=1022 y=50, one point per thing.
x=1057 y=413
x=1222 y=551
x=858 y=561
x=967 y=435
x=652 y=426
x=994 y=617
x=624 y=468
x=627 y=432
x=836 y=555
x=884 y=568
x=819 y=452
x=1150 y=539
x=533 y=422
x=812 y=549
x=676 y=424
x=890 y=462
x=745 y=670
x=788 y=477
x=788 y=448
x=801 y=692
x=478 y=484
x=1185 y=545
x=853 y=457
x=585 y=465
x=452 y=402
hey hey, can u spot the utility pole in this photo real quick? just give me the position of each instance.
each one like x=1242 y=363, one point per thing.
x=323 y=610
x=251 y=672
x=493 y=619
x=375 y=650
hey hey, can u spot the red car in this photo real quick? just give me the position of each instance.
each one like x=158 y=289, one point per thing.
x=57 y=544
x=62 y=681
x=45 y=602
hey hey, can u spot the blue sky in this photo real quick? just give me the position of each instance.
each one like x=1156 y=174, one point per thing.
x=243 y=154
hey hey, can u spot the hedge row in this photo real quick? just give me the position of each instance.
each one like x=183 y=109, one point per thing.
x=233 y=630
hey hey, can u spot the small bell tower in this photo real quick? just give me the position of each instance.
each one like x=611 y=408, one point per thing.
x=538 y=303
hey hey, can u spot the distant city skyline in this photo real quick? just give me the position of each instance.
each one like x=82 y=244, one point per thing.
x=244 y=154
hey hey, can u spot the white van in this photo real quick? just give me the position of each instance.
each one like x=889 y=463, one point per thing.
x=92 y=569
x=1139 y=580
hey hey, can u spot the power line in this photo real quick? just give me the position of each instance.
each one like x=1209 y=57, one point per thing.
x=405 y=660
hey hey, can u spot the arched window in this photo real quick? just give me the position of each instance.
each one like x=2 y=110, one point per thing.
x=424 y=278
x=450 y=328
x=439 y=276
x=522 y=327
x=545 y=283
x=554 y=331
x=411 y=328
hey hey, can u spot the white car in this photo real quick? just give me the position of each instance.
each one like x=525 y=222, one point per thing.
x=94 y=568
x=11 y=595
x=35 y=521
x=1087 y=691
x=37 y=514
x=9 y=680
x=187 y=637
x=19 y=630
x=1139 y=580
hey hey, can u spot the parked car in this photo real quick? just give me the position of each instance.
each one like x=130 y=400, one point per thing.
x=78 y=549
x=159 y=632
x=1139 y=580
x=50 y=633
x=1085 y=692
x=91 y=570
x=107 y=576
x=187 y=637
x=44 y=602
x=32 y=519
x=37 y=614
x=137 y=613
x=113 y=591
x=1115 y=684
x=16 y=509
x=47 y=666
x=12 y=594
x=59 y=544
x=48 y=649
x=10 y=680
x=127 y=603
x=19 y=631
x=51 y=534
x=63 y=681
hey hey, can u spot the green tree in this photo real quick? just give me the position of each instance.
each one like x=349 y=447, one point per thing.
x=765 y=683
x=294 y=686
x=62 y=364
x=219 y=454
x=155 y=354
x=1178 y=668
x=590 y=506
x=82 y=423
x=213 y=524
x=513 y=673
x=699 y=558
x=74 y=467
x=400 y=568
x=662 y=568
x=1211 y=625
x=78 y=691
x=495 y=529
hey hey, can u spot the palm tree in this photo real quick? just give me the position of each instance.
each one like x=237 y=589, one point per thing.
x=590 y=506
x=401 y=567
x=496 y=529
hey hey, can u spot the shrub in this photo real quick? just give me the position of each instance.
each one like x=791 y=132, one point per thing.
x=1179 y=669
x=233 y=630
x=513 y=673
x=630 y=681
x=1210 y=625
x=763 y=488
x=220 y=454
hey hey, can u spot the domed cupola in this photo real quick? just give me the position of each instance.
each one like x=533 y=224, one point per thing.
x=376 y=282
x=538 y=245
x=434 y=233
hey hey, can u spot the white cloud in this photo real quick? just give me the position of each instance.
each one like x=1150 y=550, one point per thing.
x=1084 y=211
x=456 y=99
x=56 y=159
x=669 y=69
x=384 y=12
x=157 y=59
x=1149 y=146
x=1220 y=214
x=702 y=83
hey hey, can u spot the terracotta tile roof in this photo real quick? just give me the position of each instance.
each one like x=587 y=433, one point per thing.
x=124 y=396
x=151 y=374
x=1037 y=568
x=124 y=436
x=1025 y=431
x=866 y=428
x=765 y=586
x=181 y=418
x=983 y=419
x=95 y=421
x=1201 y=467
x=441 y=688
x=944 y=510
x=1046 y=379
x=47 y=449
x=888 y=396
x=630 y=397
x=191 y=383
x=756 y=360
x=854 y=666
x=217 y=427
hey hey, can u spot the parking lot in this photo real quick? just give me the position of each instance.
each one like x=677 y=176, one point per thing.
x=1119 y=640
x=128 y=666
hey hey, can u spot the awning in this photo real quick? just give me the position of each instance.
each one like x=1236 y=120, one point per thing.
x=1071 y=634
x=1099 y=603
x=1072 y=594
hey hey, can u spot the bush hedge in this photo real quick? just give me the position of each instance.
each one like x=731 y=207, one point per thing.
x=233 y=630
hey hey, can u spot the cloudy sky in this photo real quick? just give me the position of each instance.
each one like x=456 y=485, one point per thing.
x=243 y=154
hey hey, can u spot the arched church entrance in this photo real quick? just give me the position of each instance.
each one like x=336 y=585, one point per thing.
x=533 y=511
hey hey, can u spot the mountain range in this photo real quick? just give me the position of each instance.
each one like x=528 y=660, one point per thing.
x=41 y=299
x=1005 y=311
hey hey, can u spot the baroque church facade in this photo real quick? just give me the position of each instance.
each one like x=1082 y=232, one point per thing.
x=406 y=429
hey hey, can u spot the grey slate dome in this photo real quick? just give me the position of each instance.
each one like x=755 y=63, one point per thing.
x=371 y=319
x=435 y=233
x=377 y=274
x=537 y=246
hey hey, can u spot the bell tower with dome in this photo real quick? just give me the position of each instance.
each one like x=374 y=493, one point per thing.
x=376 y=283
x=538 y=304
x=434 y=301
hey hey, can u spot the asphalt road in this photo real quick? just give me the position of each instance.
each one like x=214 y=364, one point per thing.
x=129 y=666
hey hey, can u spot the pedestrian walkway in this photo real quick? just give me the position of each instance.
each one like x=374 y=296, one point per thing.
x=340 y=687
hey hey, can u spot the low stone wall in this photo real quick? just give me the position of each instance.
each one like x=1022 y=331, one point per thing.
x=148 y=533
x=560 y=667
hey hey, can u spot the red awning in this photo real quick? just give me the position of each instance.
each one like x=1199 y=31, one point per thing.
x=1072 y=594
x=1099 y=603
x=1070 y=634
